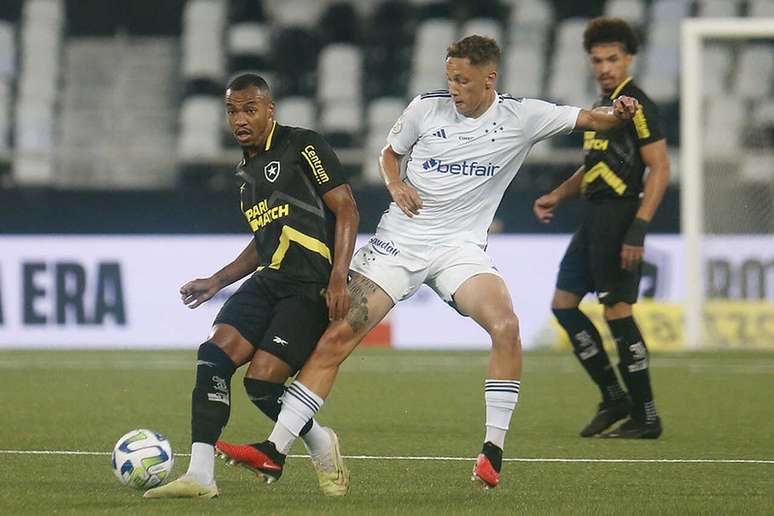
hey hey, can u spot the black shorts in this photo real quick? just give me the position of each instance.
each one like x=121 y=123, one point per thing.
x=281 y=317
x=592 y=262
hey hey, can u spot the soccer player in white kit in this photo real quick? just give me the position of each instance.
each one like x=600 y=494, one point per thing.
x=464 y=147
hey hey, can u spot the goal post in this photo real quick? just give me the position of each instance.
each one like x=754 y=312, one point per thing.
x=693 y=181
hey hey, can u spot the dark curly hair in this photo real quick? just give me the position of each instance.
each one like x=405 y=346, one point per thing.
x=478 y=49
x=610 y=30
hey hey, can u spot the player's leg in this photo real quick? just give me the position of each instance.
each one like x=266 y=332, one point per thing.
x=239 y=323
x=573 y=282
x=634 y=366
x=485 y=298
x=216 y=361
x=298 y=321
x=305 y=396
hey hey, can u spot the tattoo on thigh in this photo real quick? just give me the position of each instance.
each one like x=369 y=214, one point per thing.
x=360 y=288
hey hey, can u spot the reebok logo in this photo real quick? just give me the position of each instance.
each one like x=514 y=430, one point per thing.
x=279 y=340
x=464 y=168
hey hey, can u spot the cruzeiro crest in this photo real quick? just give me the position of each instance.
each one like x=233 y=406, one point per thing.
x=271 y=171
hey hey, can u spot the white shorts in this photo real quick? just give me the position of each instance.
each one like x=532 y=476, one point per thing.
x=400 y=268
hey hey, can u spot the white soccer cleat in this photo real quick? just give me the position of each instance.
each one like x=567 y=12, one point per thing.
x=332 y=474
x=182 y=488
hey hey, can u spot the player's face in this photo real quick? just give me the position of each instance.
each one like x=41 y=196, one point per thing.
x=471 y=87
x=610 y=63
x=249 y=115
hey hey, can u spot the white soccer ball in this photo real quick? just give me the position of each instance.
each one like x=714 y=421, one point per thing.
x=142 y=459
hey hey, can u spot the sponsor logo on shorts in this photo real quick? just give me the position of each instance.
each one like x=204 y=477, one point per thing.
x=385 y=248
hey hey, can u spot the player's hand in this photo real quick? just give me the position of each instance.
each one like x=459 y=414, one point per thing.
x=196 y=292
x=631 y=256
x=406 y=197
x=338 y=299
x=624 y=108
x=544 y=207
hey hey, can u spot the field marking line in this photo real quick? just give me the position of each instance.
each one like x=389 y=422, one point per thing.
x=448 y=459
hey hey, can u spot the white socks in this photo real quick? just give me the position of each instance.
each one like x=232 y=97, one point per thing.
x=317 y=440
x=299 y=405
x=201 y=469
x=501 y=397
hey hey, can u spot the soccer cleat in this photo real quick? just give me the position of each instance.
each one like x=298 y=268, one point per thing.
x=636 y=429
x=332 y=474
x=263 y=459
x=486 y=472
x=608 y=413
x=182 y=488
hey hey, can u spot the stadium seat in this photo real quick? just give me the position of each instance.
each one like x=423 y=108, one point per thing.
x=294 y=13
x=532 y=13
x=523 y=74
x=202 y=40
x=383 y=112
x=633 y=11
x=760 y=8
x=7 y=50
x=432 y=39
x=723 y=126
x=671 y=11
x=483 y=27
x=340 y=73
x=717 y=60
x=717 y=8
x=755 y=71
x=200 y=123
x=569 y=80
x=297 y=111
x=341 y=117
x=5 y=115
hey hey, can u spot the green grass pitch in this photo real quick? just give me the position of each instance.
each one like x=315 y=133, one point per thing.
x=387 y=404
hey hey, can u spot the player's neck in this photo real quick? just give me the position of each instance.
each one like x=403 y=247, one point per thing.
x=261 y=145
x=485 y=105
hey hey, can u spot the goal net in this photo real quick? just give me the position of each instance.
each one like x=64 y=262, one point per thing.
x=727 y=182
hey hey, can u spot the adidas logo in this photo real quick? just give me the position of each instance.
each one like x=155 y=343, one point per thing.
x=440 y=133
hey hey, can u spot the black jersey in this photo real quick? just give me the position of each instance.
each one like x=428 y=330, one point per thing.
x=281 y=191
x=614 y=166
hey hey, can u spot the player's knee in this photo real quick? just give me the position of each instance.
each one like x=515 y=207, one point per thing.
x=617 y=310
x=505 y=330
x=265 y=395
x=334 y=346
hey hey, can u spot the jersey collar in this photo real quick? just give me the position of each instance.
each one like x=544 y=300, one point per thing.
x=618 y=88
x=269 y=141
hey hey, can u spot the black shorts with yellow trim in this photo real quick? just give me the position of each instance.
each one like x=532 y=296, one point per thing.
x=284 y=318
x=592 y=262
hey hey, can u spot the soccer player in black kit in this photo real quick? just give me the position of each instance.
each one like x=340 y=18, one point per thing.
x=605 y=254
x=304 y=223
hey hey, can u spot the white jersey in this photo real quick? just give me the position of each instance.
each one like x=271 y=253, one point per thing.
x=461 y=166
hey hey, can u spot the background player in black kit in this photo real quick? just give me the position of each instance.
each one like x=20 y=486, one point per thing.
x=605 y=254
x=304 y=221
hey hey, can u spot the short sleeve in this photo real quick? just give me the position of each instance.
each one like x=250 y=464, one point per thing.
x=646 y=122
x=543 y=119
x=407 y=129
x=320 y=163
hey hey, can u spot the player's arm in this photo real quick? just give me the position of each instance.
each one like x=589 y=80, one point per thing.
x=545 y=205
x=402 y=193
x=341 y=202
x=604 y=118
x=655 y=157
x=197 y=291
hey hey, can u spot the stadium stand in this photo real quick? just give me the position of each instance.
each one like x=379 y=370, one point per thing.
x=127 y=95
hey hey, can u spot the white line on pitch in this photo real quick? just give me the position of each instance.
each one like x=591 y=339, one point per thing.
x=384 y=457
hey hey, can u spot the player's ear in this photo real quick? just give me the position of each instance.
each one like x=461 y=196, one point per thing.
x=271 y=107
x=491 y=78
